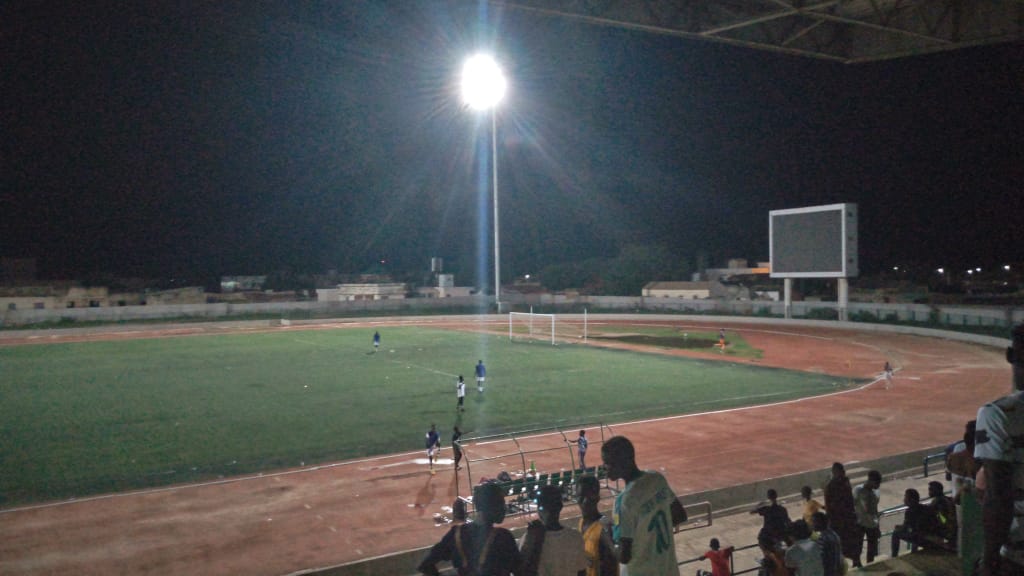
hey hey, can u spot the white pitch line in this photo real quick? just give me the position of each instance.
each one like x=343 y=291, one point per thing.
x=388 y=456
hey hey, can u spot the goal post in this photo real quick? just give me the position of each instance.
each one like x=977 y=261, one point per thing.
x=547 y=327
x=531 y=326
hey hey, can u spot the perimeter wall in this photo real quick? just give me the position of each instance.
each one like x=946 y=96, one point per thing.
x=938 y=315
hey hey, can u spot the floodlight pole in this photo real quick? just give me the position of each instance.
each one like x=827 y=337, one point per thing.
x=494 y=185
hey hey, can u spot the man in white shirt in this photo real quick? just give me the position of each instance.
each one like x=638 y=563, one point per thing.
x=644 y=514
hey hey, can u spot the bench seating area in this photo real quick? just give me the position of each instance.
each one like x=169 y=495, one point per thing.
x=520 y=493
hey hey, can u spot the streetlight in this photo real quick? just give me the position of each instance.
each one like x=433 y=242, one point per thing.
x=483 y=87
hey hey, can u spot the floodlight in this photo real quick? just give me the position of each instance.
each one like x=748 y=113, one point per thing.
x=483 y=84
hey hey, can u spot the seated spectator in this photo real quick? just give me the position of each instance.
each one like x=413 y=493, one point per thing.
x=810 y=505
x=478 y=547
x=776 y=518
x=548 y=548
x=832 y=561
x=945 y=512
x=720 y=559
x=804 y=557
x=773 y=562
x=596 y=529
x=919 y=528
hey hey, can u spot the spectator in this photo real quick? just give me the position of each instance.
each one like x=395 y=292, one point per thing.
x=478 y=547
x=548 y=548
x=919 y=527
x=596 y=529
x=842 y=517
x=865 y=504
x=832 y=562
x=720 y=560
x=961 y=467
x=459 y=511
x=997 y=446
x=960 y=445
x=944 y=512
x=776 y=517
x=645 y=513
x=773 y=562
x=456 y=448
x=811 y=506
x=804 y=557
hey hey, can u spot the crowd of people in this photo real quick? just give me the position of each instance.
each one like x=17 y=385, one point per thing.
x=638 y=538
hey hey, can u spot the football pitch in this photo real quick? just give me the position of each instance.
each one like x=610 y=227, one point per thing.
x=95 y=417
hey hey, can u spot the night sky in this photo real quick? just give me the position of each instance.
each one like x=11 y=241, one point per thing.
x=209 y=138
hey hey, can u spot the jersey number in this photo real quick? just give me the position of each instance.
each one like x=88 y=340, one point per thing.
x=663 y=534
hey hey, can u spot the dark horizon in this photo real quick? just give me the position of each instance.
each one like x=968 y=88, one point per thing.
x=250 y=138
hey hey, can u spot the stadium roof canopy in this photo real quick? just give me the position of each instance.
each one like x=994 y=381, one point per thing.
x=849 y=31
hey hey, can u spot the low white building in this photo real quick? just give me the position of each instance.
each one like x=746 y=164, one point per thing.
x=687 y=290
x=350 y=292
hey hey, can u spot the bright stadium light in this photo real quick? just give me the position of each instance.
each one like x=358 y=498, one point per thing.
x=483 y=87
x=483 y=84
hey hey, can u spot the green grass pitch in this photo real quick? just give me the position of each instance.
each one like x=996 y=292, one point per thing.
x=86 y=418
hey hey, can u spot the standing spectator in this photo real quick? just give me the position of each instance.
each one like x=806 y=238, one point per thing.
x=804 y=556
x=776 y=517
x=460 y=393
x=720 y=559
x=919 y=526
x=842 y=517
x=581 y=448
x=376 y=340
x=998 y=447
x=944 y=511
x=456 y=449
x=811 y=506
x=548 y=548
x=596 y=529
x=865 y=503
x=832 y=562
x=433 y=445
x=644 y=513
x=481 y=375
x=478 y=547
x=961 y=466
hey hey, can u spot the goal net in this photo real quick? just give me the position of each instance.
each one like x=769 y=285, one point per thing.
x=531 y=326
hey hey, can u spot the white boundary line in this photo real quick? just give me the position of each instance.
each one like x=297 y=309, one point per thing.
x=407 y=454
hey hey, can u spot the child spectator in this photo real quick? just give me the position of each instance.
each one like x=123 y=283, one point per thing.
x=596 y=529
x=810 y=505
x=720 y=560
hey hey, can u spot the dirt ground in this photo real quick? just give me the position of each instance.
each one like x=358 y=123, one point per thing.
x=282 y=522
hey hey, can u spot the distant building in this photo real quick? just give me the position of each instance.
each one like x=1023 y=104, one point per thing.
x=187 y=295
x=350 y=292
x=53 y=297
x=687 y=290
